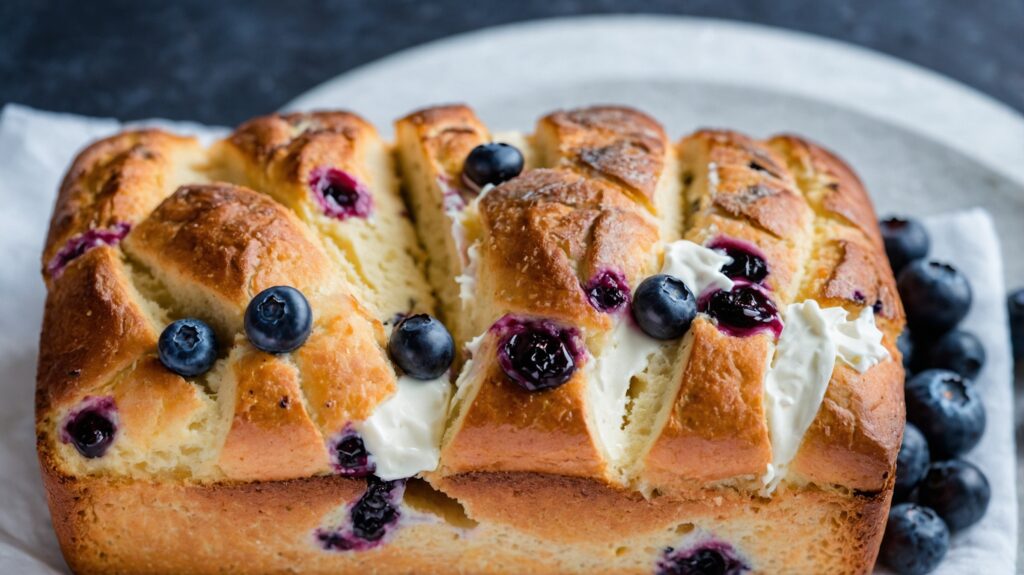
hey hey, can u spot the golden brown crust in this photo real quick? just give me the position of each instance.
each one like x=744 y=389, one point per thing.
x=448 y=134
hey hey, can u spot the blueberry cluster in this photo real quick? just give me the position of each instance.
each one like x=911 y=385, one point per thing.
x=936 y=492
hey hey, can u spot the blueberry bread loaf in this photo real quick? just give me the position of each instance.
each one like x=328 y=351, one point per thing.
x=588 y=349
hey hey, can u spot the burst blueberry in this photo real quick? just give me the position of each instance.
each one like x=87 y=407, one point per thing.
x=744 y=310
x=947 y=409
x=747 y=262
x=905 y=240
x=278 y=320
x=422 y=347
x=92 y=427
x=958 y=491
x=537 y=355
x=340 y=194
x=664 y=307
x=915 y=541
x=187 y=347
x=608 y=291
x=711 y=558
x=375 y=511
x=492 y=163
x=350 y=457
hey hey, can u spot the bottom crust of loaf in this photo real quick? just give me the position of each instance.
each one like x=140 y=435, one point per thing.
x=512 y=523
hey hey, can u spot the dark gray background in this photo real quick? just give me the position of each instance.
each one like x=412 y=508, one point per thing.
x=222 y=62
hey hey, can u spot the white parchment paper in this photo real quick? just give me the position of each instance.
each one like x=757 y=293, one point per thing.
x=37 y=147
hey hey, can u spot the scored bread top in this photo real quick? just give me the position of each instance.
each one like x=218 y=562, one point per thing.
x=147 y=229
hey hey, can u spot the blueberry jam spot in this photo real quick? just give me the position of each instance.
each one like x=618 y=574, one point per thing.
x=743 y=311
x=748 y=262
x=91 y=427
x=83 y=242
x=369 y=520
x=340 y=194
x=452 y=197
x=608 y=291
x=537 y=354
x=349 y=456
x=710 y=558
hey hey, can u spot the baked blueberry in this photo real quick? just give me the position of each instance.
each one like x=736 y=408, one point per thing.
x=747 y=261
x=79 y=244
x=1015 y=303
x=492 y=163
x=947 y=409
x=278 y=320
x=911 y=463
x=905 y=343
x=375 y=511
x=422 y=347
x=340 y=194
x=959 y=351
x=664 y=307
x=349 y=456
x=92 y=427
x=957 y=490
x=607 y=291
x=915 y=541
x=745 y=310
x=537 y=355
x=187 y=347
x=936 y=297
x=711 y=558
x=905 y=241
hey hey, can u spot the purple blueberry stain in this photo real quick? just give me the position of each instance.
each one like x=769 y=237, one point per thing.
x=743 y=311
x=81 y=243
x=452 y=199
x=707 y=558
x=608 y=291
x=91 y=427
x=748 y=261
x=537 y=354
x=340 y=194
x=349 y=456
x=369 y=522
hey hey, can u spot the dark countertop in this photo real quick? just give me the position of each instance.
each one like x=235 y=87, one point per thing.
x=222 y=62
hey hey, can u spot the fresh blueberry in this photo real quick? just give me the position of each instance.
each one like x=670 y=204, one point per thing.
x=278 y=320
x=936 y=297
x=905 y=241
x=664 y=307
x=375 y=511
x=712 y=558
x=905 y=343
x=911 y=463
x=493 y=164
x=958 y=351
x=537 y=355
x=422 y=347
x=957 y=490
x=350 y=457
x=1016 y=308
x=607 y=291
x=915 y=541
x=187 y=347
x=947 y=409
x=745 y=310
x=91 y=429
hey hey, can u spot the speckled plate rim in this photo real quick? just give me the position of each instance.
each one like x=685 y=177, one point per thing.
x=563 y=51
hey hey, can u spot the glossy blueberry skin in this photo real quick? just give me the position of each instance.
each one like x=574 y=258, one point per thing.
x=911 y=463
x=422 y=347
x=278 y=320
x=537 y=355
x=936 y=297
x=375 y=511
x=748 y=261
x=916 y=539
x=664 y=307
x=608 y=291
x=1015 y=305
x=958 y=491
x=959 y=351
x=350 y=457
x=905 y=343
x=947 y=409
x=492 y=163
x=745 y=310
x=905 y=240
x=187 y=347
x=91 y=429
